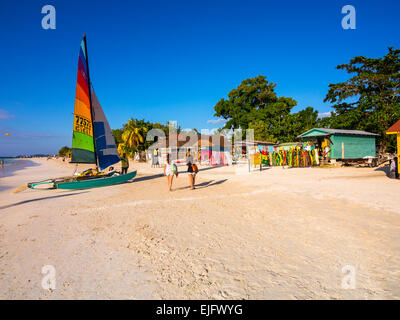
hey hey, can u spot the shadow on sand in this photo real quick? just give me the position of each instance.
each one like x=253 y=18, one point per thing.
x=39 y=199
x=144 y=178
x=160 y=175
x=205 y=184
x=210 y=168
x=209 y=183
x=386 y=170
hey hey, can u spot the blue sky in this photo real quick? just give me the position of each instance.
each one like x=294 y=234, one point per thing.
x=172 y=60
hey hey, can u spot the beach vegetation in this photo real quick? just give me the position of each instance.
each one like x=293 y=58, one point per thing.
x=370 y=99
x=117 y=134
x=64 y=152
x=255 y=105
x=131 y=138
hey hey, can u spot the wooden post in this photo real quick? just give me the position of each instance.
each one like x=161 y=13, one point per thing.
x=398 y=151
x=248 y=155
x=342 y=150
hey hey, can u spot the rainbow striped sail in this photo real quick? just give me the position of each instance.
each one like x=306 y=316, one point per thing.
x=82 y=140
x=92 y=140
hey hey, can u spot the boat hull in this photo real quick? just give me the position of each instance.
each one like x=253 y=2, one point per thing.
x=95 y=183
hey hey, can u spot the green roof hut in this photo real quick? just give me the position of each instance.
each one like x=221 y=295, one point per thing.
x=344 y=144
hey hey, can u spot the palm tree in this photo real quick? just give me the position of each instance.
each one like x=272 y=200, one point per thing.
x=132 y=137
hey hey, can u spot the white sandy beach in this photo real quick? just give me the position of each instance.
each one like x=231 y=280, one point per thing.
x=275 y=234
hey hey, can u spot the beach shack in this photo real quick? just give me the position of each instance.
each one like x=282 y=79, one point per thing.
x=343 y=144
x=287 y=145
x=242 y=149
x=261 y=145
x=205 y=149
x=395 y=129
x=177 y=146
x=215 y=150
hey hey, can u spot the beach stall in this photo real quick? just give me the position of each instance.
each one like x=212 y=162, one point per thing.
x=395 y=129
x=287 y=145
x=251 y=151
x=341 y=144
x=177 y=146
x=215 y=150
x=265 y=145
x=242 y=149
x=205 y=149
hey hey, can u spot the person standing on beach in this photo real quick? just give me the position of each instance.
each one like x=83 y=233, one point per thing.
x=189 y=157
x=2 y=163
x=124 y=164
x=155 y=162
x=169 y=171
x=192 y=171
x=326 y=153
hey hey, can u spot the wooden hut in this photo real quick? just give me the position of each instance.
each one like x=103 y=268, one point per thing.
x=242 y=148
x=216 y=148
x=287 y=145
x=395 y=129
x=343 y=144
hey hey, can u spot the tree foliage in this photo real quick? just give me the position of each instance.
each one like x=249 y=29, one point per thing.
x=117 y=133
x=255 y=105
x=132 y=137
x=370 y=99
x=64 y=152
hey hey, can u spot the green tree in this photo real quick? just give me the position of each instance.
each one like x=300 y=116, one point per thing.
x=117 y=133
x=255 y=105
x=261 y=131
x=255 y=100
x=325 y=122
x=300 y=122
x=370 y=99
x=64 y=152
x=133 y=137
x=174 y=125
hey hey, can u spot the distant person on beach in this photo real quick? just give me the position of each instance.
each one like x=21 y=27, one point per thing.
x=192 y=171
x=169 y=171
x=326 y=153
x=393 y=168
x=2 y=163
x=189 y=157
x=155 y=162
x=124 y=164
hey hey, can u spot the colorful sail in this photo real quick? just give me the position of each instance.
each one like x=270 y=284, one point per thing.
x=106 y=150
x=82 y=139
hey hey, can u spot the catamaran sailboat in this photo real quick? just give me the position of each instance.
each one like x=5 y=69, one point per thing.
x=92 y=139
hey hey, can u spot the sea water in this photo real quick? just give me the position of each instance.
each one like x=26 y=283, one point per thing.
x=11 y=164
x=9 y=160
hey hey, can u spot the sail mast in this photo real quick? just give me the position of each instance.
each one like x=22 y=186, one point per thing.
x=90 y=98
